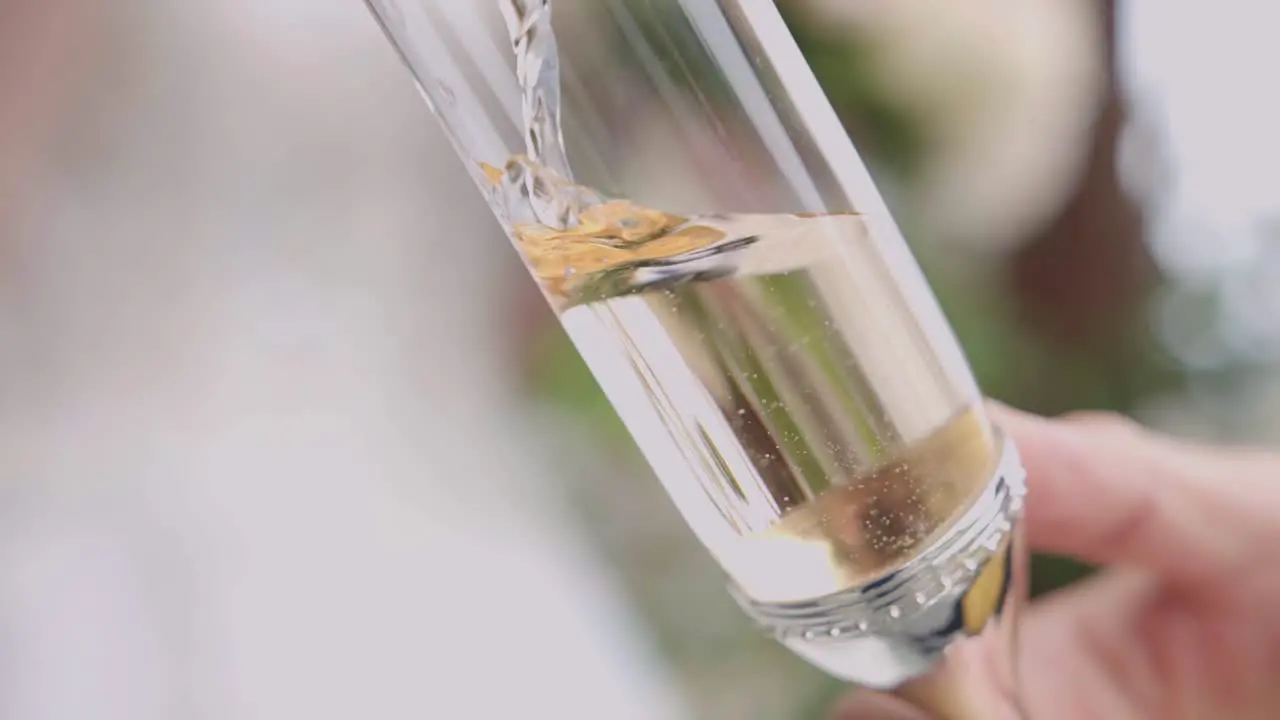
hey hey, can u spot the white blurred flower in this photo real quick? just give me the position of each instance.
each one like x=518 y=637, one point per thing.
x=1009 y=89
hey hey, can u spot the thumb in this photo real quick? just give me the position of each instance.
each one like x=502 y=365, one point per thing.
x=1106 y=491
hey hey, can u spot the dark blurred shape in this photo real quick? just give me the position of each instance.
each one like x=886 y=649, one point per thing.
x=1081 y=285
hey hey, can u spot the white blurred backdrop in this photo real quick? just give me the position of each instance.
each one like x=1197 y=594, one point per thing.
x=261 y=455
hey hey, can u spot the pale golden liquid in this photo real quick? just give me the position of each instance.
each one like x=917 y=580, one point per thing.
x=790 y=378
x=879 y=519
x=778 y=381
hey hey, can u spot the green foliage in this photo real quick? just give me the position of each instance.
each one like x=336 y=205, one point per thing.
x=845 y=65
x=1051 y=572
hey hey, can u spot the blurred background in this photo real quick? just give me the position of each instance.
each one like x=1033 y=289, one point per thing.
x=283 y=435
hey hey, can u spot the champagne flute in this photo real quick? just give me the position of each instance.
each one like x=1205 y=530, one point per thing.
x=685 y=197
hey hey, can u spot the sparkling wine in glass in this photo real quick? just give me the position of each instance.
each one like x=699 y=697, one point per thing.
x=684 y=195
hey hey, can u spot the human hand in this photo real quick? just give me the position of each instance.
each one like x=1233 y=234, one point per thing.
x=1185 y=621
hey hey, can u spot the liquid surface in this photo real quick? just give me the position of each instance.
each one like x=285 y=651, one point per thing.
x=769 y=366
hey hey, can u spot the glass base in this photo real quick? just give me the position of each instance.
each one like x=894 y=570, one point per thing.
x=910 y=630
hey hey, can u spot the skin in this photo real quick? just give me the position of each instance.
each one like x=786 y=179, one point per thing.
x=43 y=44
x=1184 y=623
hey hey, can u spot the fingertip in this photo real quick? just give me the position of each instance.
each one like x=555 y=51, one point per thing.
x=1016 y=423
x=997 y=411
x=873 y=705
x=1106 y=490
x=1061 y=473
x=1039 y=440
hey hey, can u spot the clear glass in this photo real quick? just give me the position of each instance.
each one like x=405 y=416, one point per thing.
x=689 y=203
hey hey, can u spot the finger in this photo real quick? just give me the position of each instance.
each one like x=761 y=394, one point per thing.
x=1107 y=492
x=1078 y=658
x=872 y=705
x=1082 y=653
